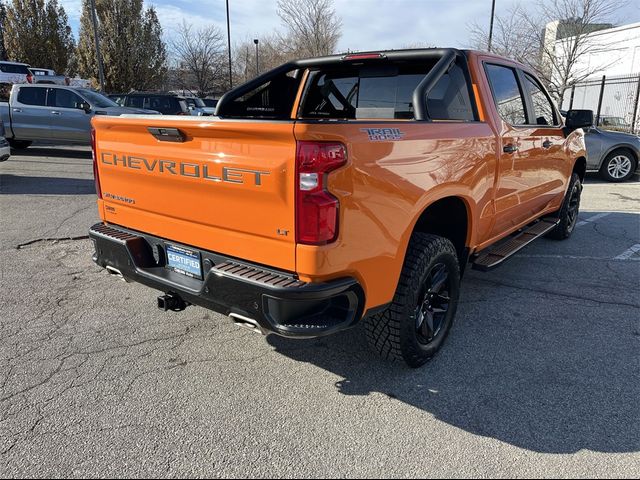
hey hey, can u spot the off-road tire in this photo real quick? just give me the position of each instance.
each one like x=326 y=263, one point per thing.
x=568 y=213
x=392 y=333
x=19 y=144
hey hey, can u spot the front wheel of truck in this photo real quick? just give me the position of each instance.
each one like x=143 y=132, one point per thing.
x=19 y=144
x=416 y=323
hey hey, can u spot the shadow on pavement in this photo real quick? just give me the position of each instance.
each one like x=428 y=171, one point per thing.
x=595 y=178
x=536 y=359
x=20 y=184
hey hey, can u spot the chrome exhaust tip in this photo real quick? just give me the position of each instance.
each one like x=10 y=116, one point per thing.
x=246 y=322
x=114 y=271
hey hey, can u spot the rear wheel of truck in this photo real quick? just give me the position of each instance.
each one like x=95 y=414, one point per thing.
x=568 y=213
x=19 y=144
x=413 y=328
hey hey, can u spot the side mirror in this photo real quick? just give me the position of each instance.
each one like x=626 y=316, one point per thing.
x=86 y=107
x=579 y=119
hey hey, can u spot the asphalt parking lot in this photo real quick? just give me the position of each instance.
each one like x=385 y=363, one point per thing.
x=540 y=376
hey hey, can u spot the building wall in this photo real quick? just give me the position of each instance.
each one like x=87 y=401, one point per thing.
x=612 y=52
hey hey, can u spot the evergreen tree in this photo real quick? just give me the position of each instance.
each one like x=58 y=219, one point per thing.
x=133 y=52
x=3 y=16
x=38 y=33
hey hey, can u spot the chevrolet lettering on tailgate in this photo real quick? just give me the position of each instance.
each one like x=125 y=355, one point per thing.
x=186 y=169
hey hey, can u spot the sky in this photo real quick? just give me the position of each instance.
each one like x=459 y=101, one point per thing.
x=366 y=24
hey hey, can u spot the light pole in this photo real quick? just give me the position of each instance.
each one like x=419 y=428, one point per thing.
x=229 y=47
x=94 y=18
x=255 y=40
x=493 y=9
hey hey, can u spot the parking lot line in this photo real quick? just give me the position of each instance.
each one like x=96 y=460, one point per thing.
x=586 y=257
x=592 y=219
x=628 y=254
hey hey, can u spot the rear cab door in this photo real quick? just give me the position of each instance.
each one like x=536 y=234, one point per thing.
x=30 y=116
x=555 y=165
x=529 y=175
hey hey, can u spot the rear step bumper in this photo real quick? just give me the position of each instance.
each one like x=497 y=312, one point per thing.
x=277 y=301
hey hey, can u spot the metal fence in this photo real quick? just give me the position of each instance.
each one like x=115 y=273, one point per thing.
x=614 y=101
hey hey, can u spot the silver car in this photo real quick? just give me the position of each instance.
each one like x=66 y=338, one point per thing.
x=614 y=154
x=54 y=113
x=4 y=145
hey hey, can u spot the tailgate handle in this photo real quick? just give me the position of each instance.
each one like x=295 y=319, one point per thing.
x=167 y=134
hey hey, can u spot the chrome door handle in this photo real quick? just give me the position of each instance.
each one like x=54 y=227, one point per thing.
x=547 y=144
x=55 y=112
x=17 y=110
x=510 y=148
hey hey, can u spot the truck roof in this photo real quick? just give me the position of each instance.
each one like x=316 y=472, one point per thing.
x=6 y=62
x=408 y=54
x=402 y=54
x=48 y=85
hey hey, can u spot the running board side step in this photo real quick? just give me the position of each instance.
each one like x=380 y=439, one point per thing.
x=493 y=256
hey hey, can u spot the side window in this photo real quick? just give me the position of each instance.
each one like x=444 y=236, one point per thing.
x=331 y=96
x=542 y=107
x=33 y=96
x=64 y=99
x=273 y=99
x=354 y=92
x=135 y=102
x=10 y=68
x=506 y=94
x=449 y=99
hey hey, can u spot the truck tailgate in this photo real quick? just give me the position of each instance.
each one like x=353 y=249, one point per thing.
x=225 y=186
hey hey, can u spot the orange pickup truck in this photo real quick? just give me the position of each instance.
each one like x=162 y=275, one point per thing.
x=339 y=189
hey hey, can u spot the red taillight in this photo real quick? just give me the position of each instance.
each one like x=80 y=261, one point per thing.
x=29 y=78
x=316 y=208
x=96 y=174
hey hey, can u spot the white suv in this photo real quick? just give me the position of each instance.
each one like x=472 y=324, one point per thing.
x=14 y=72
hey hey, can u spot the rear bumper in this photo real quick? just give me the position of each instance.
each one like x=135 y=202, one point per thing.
x=277 y=301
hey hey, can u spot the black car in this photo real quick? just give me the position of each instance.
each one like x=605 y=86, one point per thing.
x=165 y=103
x=210 y=102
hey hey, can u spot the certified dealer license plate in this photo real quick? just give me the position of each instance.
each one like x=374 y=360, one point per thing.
x=184 y=261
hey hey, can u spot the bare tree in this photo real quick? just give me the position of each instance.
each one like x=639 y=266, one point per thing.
x=201 y=57
x=553 y=37
x=564 y=46
x=273 y=51
x=312 y=26
x=512 y=36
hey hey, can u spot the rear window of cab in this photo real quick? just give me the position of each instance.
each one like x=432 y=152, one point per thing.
x=359 y=91
x=12 y=68
x=385 y=92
